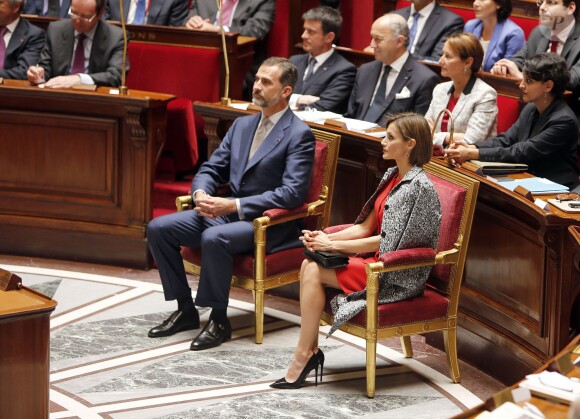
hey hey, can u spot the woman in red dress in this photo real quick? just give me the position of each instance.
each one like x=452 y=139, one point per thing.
x=404 y=212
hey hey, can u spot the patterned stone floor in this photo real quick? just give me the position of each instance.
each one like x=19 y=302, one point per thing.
x=103 y=365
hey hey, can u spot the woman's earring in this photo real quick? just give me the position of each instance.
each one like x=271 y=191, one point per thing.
x=464 y=70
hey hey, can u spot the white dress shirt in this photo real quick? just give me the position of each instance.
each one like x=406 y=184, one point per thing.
x=396 y=67
x=424 y=15
x=88 y=44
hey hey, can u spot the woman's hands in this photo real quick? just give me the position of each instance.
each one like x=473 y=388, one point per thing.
x=460 y=151
x=316 y=240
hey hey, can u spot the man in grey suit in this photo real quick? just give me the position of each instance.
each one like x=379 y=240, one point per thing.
x=325 y=78
x=429 y=26
x=154 y=12
x=267 y=159
x=21 y=40
x=80 y=50
x=395 y=82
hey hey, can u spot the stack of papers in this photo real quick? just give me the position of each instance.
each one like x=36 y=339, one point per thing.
x=316 y=116
x=536 y=185
x=553 y=385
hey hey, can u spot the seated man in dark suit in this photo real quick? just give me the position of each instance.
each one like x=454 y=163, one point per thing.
x=81 y=50
x=252 y=18
x=20 y=41
x=36 y=7
x=395 y=82
x=325 y=78
x=267 y=159
x=429 y=26
x=154 y=12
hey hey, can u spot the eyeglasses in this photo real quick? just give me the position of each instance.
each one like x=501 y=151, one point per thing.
x=567 y=197
x=81 y=18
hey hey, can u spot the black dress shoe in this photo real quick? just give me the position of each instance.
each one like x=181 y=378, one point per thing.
x=212 y=335
x=177 y=322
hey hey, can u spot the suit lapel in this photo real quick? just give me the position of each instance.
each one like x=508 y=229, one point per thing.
x=320 y=72
x=301 y=67
x=369 y=88
x=66 y=53
x=275 y=137
x=241 y=148
x=431 y=22
x=98 y=48
x=126 y=5
x=17 y=38
x=401 y=81
x=571 y=42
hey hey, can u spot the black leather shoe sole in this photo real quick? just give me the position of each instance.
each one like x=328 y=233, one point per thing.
x=176 y=323
x=212 y=335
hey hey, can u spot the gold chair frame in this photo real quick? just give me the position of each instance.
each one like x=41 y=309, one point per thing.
x=455 y=256
x=320 y=208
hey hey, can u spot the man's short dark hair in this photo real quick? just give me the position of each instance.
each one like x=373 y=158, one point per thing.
x=289 y=72
x=330 y=19
x=548 y=66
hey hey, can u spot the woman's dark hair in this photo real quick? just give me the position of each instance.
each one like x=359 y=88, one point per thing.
x=505 y=9
x=414 y=126
x=548 y=66
x=467 y=45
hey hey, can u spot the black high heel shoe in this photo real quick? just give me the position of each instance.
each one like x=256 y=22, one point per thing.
x=312 y=364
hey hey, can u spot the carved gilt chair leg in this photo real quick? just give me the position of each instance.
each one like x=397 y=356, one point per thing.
x=259 y=310
x=406 y=346
x=371 y=367
x=450 y=339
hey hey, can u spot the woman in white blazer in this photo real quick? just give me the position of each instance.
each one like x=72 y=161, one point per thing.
x=472 y=102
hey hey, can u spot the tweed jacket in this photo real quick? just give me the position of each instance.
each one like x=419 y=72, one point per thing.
x=411 y=219
x=475 y=113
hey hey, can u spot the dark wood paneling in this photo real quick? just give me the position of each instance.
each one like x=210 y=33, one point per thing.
x=76 y=172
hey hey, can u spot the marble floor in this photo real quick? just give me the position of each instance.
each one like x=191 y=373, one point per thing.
x=103 y=365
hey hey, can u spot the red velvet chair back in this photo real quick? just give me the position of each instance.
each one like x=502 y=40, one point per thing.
x=177 y=70
x=453 y=198
x=526 y=23
x=508 y=112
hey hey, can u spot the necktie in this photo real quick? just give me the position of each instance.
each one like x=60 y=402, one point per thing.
x=554 y=46
x=3 y=30
x=260 y=136
x=79 y=57
x=413 y=30
x=227 y=10
x=310 y=68
x=377 y=108
x=139 y=18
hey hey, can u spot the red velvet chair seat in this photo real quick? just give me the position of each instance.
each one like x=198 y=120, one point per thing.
x=430 y=306
x=275 y=264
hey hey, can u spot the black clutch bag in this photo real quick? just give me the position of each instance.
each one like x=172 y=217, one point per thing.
x=328 y=260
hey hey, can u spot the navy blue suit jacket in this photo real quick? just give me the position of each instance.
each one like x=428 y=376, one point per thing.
x=23 y=50
x=332 y=82
x=507 y=39
x=277 y=176
x=416 y=77
x=440 y=24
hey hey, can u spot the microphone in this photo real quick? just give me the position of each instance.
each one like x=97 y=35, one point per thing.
x=123 y=88
x=226 y=98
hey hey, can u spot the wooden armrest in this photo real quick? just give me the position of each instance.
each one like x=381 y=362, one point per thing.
x=280 y=215
x=337 y=228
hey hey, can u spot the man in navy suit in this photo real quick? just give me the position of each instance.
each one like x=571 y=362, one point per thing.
x=429 y=26
x=395 y=82
x=325 y=78
x=153 y=12
x=22 y=41
x=267 y=159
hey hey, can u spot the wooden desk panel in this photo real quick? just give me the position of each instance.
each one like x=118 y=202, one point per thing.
x=520 y=280
x=76 y=172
